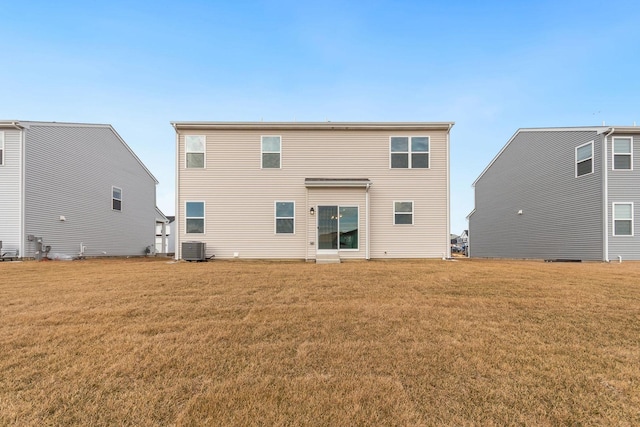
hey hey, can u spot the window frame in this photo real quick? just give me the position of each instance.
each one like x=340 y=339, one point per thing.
x=114 y=198
x=410 y=152
x=613 y=153
x=276 y=217
x=614 y=219
x=203 y=218
x=203 y=152
x=263 y=152
x=592 y=158
x=412 y=213
x=2 y=150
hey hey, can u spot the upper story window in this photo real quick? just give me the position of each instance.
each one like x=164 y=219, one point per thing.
x=402 y=213
x=271 y=152
x=409 y=152
x=116 y=198
x=195 y=217
x=1 y=148
x=622 y=153
x=623 y=219
x=584 y=159
x=194 y=150
x=285 y=217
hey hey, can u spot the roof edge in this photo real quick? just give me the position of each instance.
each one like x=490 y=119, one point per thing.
x=314 y=125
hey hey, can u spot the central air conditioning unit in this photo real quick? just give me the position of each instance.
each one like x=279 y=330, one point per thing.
x=193 y=251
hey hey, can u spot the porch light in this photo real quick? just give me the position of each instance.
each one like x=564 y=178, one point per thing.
x=312 y=211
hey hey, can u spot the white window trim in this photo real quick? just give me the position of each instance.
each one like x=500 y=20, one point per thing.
x=613 y=153
x=613 y=218
x=413 y=210
x=2 y=157
x=276 y=217
x=593 y=168
x=428 y=152
x=203 y=218
x=204 y=151
x=270 y=152
x=113 y=187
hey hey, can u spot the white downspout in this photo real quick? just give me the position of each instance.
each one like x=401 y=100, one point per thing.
x=605 y=204
x=448 y=241
x=367 y=250
x=178 y=220
x=21 y=244
x=306 y=223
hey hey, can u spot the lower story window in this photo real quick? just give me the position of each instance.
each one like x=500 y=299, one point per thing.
x=623 y=219
x=402 y=213
x=285 y=217
x=195 y=217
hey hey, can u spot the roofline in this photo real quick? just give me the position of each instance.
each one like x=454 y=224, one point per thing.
x=598 y=129
x=314 y=125
x=25 y=124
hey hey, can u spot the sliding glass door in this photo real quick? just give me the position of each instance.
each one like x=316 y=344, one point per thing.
x=337 y=227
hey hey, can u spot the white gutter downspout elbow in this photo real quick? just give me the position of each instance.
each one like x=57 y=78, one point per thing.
x=605 y=203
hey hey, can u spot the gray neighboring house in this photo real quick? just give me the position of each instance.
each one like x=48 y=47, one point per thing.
x=77 y=188
x=560 y=193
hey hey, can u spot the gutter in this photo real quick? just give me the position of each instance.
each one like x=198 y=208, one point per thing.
x=605 y=202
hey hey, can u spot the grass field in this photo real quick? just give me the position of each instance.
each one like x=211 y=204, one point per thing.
x=149 y=342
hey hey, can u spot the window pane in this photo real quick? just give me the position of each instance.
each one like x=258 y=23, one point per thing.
x=117 y=205
x=584 y=152
x=271 y=160
x=195 y=225
x=419 y=160
x=404 y=219
x=399 y=144
x=622 y=161
x=194 y=143
x=403 y=206
x=284 y=209
x=348 y=219
x=195 y=209
x=420 y=143
x=195 y=160
x=284 y=226
x=622 y=211
x=622 y=228
x=399 y=160
x=271 y=144
x=584 y=167
x=622 y=146
x=117 y=193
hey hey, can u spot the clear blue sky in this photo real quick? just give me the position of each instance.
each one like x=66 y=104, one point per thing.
x=492 y=67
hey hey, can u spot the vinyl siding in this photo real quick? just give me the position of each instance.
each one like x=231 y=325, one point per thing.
x=10 y=194
x=624 y=187
x=561 y=213
x=239 y=195
x=70 y=171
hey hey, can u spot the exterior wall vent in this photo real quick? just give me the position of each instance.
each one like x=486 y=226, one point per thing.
x=193 y=251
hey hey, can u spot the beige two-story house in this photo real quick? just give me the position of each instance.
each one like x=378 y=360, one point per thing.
x=313 y=191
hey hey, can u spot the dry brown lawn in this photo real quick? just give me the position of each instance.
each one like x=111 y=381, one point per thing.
x=407 y=343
